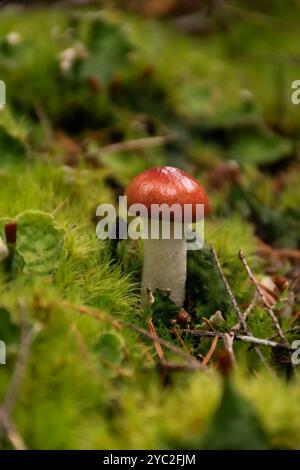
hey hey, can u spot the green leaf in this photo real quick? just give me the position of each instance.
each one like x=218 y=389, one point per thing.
x=108 y=47
x=13 y=135
x=110 y=347
x=235 y=425
x=40 y=242
x=256 y=147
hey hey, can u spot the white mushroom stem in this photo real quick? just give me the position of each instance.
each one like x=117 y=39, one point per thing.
x=165 y=267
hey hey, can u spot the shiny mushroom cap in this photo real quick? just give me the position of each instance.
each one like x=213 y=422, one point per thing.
x=167 y=185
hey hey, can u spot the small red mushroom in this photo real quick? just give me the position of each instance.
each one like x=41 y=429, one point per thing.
x=165 y=264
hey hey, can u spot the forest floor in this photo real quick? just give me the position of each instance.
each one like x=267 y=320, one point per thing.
x=94 y=98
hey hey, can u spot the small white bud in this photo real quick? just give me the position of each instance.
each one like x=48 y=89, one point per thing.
x=65 y=65
x=13 y=38
x=68 y=54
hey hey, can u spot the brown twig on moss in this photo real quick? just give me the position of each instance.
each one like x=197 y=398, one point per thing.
x=228 y=343
x=118 y=324
x=246 y=313
x=138 y=144
x=210 y=352
x=236 y=307
x=157 y=345
x=176 y=333
x=261 y=295
x=245 y=338
x=11 y=397
x=228 y=289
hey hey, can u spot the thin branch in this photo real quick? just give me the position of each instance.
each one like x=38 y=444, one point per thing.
x=17 y=378
x=236 y=307
x=176 y=333
x=210 y=352
x=228 y=289
x=246 y=314
x=12 y=394
x=83 y=349
x=118 y=324
x=11 y=433
x=174 y=366
x=267 y=250
x=245 y=338
x=290 y=330
x=157 y=345
x=261 y=295
x=138 y=144
x=228 y=343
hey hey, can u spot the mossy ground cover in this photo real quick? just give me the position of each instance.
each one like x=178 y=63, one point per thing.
x=89 y=381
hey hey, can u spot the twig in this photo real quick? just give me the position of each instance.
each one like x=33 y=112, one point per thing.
x=261 y=295
x=16 y=381
x=236 y=307
x=174 y=366
x=157 y=345
x=228 y=343
x=11 y=433
x=265 y=342
x=83 y=348
x=176 y=333
x=118 y=323
x=44 y=120
x=290 y=330
x=209 y=324
x=17 y=378
x=245 y=338
x=267 y=250
x=228 y=289
x=138 y=144
x=247 y=312
x=210 y=352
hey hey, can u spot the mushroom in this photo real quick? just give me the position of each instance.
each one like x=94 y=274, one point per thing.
x=165 y=263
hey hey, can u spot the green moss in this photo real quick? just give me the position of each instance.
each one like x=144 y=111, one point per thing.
x=89 y=384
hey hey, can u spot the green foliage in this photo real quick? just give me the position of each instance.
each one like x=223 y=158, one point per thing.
x=13 y=137
x=90 y=383
x=235 y=425
x=259 y=148
x=109 y=346
x=39 y=242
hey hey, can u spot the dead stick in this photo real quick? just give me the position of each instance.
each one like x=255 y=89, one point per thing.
x=11 y=433
x=261 y=295
x=245 y=338
x=118 y=323
x=16 y=381
x=247 y=312
x=14 y=388
x=211 y=350
x=228 y=343
x=228 y=289
x=156 y=344
x=138 y=144
x=236 y=306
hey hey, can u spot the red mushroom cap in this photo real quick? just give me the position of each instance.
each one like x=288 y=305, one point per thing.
x=166 y=185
